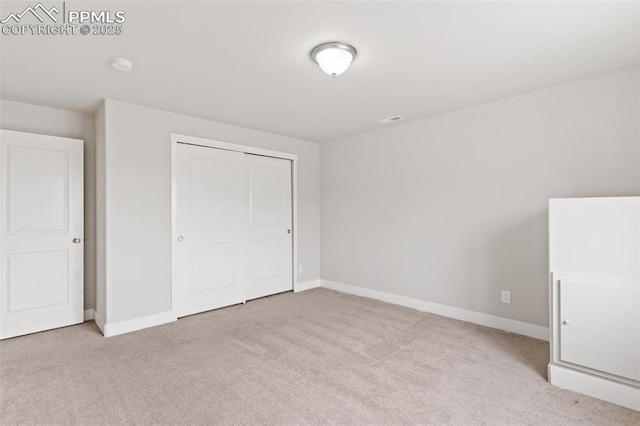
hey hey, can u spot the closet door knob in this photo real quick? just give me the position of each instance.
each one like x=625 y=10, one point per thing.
x=566 y=322
x=76 y=240
x=288 y=231
x=180 y=238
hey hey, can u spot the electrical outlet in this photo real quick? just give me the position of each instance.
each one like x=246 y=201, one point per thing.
x=506 y=296
x=300 y=269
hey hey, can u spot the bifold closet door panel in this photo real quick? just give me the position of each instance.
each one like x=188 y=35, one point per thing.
x=210 y=249
x=270 y=232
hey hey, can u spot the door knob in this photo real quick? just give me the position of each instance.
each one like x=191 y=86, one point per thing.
x=180 y=238
x=77 y=241
x=288 y=231
x=566 y=322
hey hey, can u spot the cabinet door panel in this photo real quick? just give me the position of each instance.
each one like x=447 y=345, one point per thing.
x=600 y=327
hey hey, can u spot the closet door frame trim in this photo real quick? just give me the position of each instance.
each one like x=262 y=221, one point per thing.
x=177 y=138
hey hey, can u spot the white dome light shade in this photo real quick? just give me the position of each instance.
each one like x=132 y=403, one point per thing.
x=334 y=58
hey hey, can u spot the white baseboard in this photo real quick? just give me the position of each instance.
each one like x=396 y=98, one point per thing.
x=121 y=327
x=512 y=326
x=88 y=314
x=594 y=386
x=307 y=285
x=99 y=321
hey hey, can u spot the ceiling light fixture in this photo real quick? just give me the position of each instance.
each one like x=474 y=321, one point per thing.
x=121 y=64
x=334 y=57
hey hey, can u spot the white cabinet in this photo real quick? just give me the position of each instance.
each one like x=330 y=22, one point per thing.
x=594 y=260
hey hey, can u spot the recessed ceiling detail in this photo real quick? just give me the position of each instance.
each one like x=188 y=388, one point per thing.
x=392 y=119
x=121 y=64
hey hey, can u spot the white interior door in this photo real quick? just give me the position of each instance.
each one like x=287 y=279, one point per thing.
x=41 y=245
x=270 y=240
x=209 y=248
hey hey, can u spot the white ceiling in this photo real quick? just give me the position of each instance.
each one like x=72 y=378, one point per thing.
x=248 y=63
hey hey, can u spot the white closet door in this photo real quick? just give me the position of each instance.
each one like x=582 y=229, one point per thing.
x=269 y=226
x=41 y=209
x=210 y=229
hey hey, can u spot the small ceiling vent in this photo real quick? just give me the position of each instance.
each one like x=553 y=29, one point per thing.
x=391 y=119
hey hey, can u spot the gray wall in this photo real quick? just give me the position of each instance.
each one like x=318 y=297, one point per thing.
x=56 y=122
x=453 y=208
x=449 y=209
x=101 y=224
x=138 y=202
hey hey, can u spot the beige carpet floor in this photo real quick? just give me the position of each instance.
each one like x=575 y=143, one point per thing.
x=316 y=357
